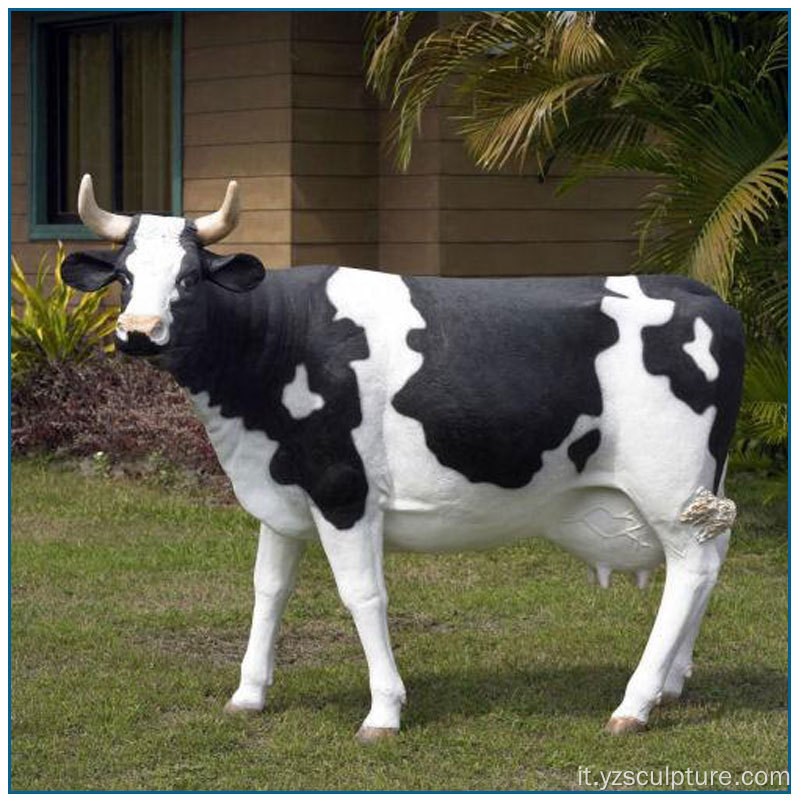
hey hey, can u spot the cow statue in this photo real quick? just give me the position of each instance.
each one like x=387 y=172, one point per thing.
x=370 y=411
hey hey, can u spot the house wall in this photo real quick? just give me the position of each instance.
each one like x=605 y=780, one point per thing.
x=334 y=143
x=237 y=115
x=511 y=224
x=18 y=131
x=276 y=99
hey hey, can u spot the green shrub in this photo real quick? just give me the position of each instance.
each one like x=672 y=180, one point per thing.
x=761 y=294
x=49 y=325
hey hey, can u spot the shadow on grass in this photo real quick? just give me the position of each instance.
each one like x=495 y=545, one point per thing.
x=575 y=691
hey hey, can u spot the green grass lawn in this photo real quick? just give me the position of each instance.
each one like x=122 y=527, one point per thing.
x=130 y=611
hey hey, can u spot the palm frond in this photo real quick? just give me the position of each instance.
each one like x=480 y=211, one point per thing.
x=745 y=205
x=475 y=44
x=509 y=124
x=727 y=167
x=572 y=41
x=761 y=286
x=765 y=402
x=385 y=45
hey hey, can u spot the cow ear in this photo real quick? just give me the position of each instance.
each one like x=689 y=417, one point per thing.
x=237 y=273
x=90 y=271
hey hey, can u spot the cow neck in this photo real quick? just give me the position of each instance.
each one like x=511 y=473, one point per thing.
x=241 y=344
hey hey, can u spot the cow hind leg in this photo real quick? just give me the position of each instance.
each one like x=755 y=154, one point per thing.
x=356 y=558
x=682 y=665
x=691 y=576
x=273 y=580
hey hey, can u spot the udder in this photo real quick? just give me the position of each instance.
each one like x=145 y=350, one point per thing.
x=604 y=528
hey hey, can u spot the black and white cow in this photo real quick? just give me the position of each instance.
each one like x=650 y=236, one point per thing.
x=375 y=411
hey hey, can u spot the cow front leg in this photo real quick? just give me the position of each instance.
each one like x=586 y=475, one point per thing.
x=689 y=581
x=356 y=558
x=273 y=580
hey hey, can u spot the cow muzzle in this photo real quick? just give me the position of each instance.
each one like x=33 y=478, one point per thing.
x=152 y=326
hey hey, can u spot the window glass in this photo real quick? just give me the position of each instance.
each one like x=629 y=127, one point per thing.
x=86 y=73
x=146 y=111
x=110 y=114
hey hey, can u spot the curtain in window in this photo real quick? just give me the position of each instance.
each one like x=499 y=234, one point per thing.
x=146 y=110
x=89 y=100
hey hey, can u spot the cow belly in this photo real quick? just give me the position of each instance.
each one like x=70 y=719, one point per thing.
x=476 y=519
x=598 y=524
x=245 y=457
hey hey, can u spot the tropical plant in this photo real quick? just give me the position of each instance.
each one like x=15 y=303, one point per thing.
x=761 y=293
x=49 y=325
x=697 y=100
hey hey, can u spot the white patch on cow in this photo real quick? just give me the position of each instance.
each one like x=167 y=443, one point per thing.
x=154 y=264
x=700 y=350
x=660 y=445
x=245 y=455
x=381 y=304
x=298 y=398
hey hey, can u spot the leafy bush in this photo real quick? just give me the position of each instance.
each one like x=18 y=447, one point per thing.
x=120 y=407
x=761 y=293
x=763 y=428
x=52 y=326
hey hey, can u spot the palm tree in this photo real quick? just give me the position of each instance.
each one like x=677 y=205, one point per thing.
x=696 y=99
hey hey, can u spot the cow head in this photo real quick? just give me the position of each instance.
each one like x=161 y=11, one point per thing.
x=162 y=265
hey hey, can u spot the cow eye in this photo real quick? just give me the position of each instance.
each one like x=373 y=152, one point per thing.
x=123 y=279
x=189 y=280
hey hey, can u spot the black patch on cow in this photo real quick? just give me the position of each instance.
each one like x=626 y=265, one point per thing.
x=90 y=271
x=581 y=449
x=508 y=367
x=664 y=355
x=243 y=349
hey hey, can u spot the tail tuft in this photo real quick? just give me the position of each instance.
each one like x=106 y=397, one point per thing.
x=711 y=515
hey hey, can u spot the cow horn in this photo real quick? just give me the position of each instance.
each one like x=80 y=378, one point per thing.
x=213 y=227
x=105 y=224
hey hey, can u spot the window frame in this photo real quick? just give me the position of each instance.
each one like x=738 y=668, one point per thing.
x=38 y=226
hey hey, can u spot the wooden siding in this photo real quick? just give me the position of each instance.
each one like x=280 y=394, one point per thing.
x=334 y=143
x=237 y=125
x=410 y=203
x=513 y=222
x=26 y=253
x=226 y=28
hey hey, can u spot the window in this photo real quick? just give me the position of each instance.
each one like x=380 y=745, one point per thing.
x=106 y=101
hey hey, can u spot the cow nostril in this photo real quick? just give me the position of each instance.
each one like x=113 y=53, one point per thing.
x=157 y=330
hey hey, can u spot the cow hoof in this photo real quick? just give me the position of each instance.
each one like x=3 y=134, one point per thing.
x=366 y=735
x=617 y=726
x=668 y=698
x=236 y=708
